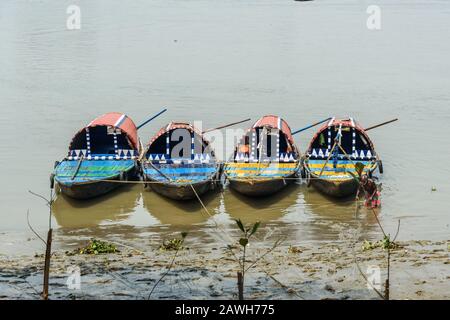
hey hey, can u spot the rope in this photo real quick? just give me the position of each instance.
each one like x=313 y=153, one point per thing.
x=212 y=180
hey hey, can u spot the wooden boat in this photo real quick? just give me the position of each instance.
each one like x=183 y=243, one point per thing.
x=338 y=176
x=108 y=148
x=265 y=160
x=177 y=159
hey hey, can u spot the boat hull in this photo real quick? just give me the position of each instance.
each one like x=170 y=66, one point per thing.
x=260 y=179
x=259 y=188
x=85 y=187
x=177 y=191
x=334 y=188
x=83 y=191
x=174 y=181
x=338 y=187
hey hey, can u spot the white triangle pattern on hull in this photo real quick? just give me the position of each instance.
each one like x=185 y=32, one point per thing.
x=121 y=154
x=357 y=154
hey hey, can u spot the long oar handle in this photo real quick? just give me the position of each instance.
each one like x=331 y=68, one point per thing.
x=159 y=171
x=227 y=125
x=156 y=115
x=346 y=154
x=310 y=126
x=78 y=167
x=328 y=158
x=381 y=124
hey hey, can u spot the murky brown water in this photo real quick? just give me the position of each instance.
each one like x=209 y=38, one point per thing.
x=221 y=62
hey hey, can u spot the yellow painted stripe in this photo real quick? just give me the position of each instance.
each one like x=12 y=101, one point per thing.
x=336 y=177
x=327 y=173
x=247 y=172
x=260 y=165
x=330 y=165
x=332 y=173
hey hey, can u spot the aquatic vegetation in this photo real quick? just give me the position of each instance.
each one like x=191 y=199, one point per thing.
x=385 y=244
x=171 y=245
x=95 y=247
x=174 y=244
x=294 y=250
x=368 y=245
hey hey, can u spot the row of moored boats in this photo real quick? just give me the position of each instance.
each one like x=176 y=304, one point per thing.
x=179 y=162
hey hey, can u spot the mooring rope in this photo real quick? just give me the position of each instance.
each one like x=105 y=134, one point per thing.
x=212 y=180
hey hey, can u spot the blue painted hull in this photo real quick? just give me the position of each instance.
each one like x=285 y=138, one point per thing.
x=178 y=180
x=89 y=181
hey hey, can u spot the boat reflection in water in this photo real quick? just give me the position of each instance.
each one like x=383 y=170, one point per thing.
x=115 y=206
x=181 y=213
x=267 y=209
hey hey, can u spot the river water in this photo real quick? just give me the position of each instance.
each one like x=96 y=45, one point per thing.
x=219 y=62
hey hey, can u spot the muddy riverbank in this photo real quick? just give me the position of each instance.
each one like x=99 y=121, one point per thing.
x=306 y=270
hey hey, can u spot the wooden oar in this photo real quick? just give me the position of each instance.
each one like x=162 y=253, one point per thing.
x=159 y=171
x=78 y=167
x=328 y=158
x=346 y=155
x=310 y=126
x=260 y=146
x=336 y=142
x=381 y=124
x=224 y=126
x=156 y=115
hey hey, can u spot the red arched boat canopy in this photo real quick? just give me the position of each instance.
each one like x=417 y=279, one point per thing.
x=119 y=121
x=275 y=122
x=172 y=126
x=116 y=121
x=278 y=143
x=162 y=145
x=112 y=135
